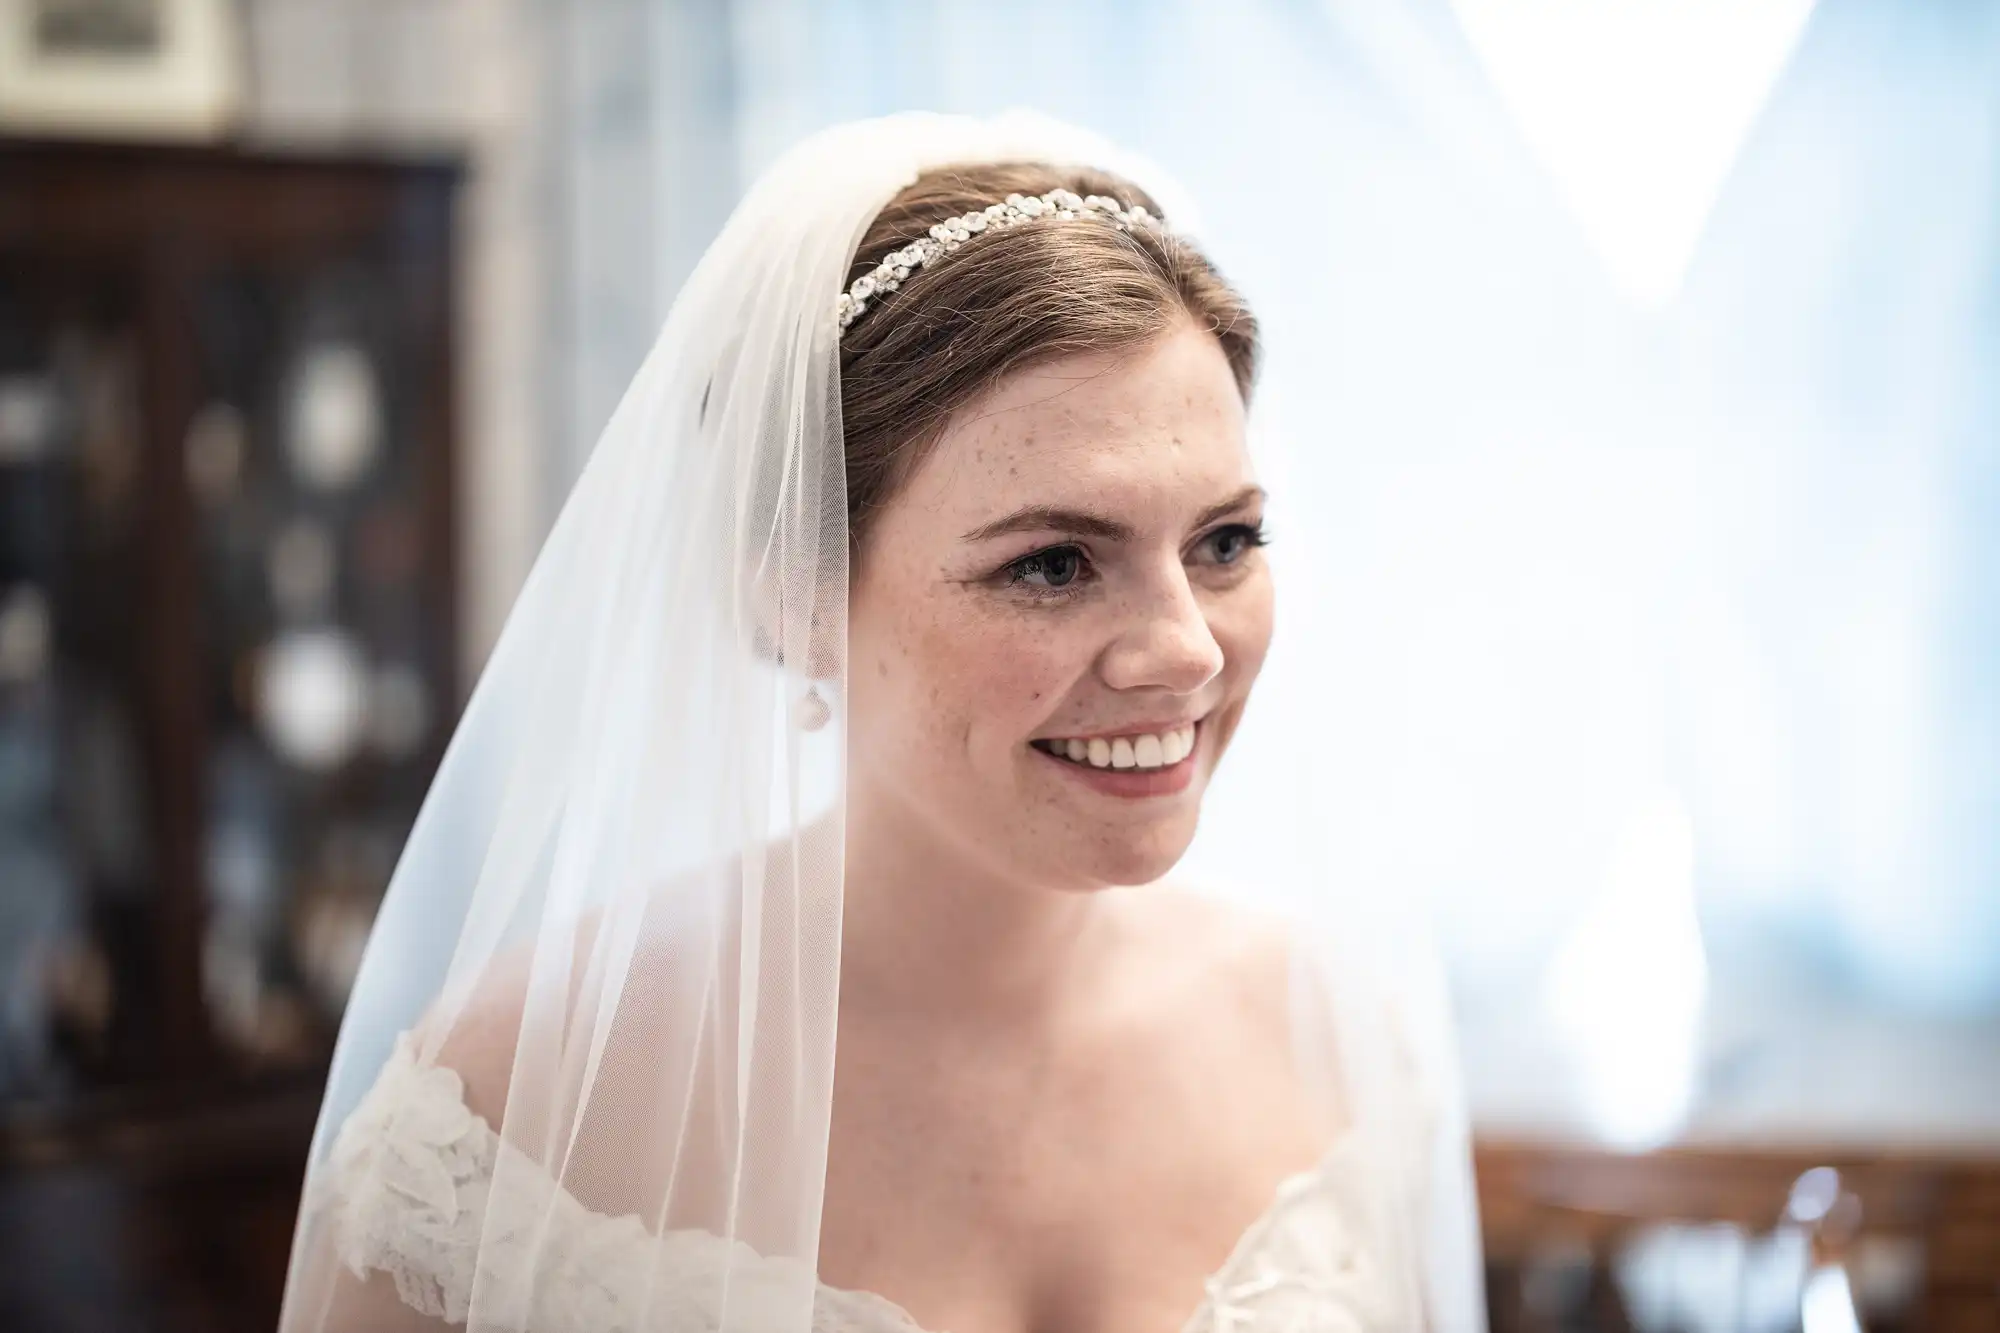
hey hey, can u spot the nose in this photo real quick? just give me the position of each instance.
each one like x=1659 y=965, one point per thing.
x=1165 y=642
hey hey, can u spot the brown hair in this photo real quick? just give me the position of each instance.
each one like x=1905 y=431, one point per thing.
x=1007 y=300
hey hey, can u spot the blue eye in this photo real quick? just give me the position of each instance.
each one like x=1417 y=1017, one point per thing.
x=1227 y=545
x=1057 y=567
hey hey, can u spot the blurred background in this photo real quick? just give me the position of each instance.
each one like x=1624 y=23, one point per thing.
x=1633 y=364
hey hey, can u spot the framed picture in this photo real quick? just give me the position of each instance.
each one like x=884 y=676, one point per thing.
x=161 y=69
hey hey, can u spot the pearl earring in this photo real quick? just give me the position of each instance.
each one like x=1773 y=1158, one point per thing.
x=812 y=711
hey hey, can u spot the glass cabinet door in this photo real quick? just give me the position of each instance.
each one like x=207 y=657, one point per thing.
x=78 y=914
x=226 y=597
x=324 y=661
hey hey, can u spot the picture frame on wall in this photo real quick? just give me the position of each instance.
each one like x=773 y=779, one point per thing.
x=148 y=69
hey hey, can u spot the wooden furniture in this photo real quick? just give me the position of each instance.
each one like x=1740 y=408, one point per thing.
x=1939 y=1210
x=227 y=646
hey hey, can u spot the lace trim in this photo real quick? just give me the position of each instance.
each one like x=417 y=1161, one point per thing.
x=422 y=1189
x=1299 y=1269
x=409 y=1173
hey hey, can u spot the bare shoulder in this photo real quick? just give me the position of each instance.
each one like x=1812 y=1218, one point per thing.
x=478 y=1039
x=575 y=975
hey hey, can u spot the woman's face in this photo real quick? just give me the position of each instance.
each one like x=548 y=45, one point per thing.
x=1073 y=570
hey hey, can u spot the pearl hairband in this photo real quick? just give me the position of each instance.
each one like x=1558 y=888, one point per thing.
x=945 y=237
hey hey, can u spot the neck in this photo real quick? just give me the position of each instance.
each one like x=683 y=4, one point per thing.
x=929 y=929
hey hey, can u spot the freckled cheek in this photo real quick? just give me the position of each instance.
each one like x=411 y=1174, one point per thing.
x=994 y=676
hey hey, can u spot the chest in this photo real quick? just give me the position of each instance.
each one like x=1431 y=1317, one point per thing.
x=1082 y=1189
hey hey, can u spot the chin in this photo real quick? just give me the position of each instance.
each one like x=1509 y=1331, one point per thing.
x=1125 y=860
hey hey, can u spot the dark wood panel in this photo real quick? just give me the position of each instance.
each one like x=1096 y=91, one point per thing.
x=170 y=1214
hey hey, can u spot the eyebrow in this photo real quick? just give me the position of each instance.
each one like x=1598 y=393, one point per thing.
x=1047 y=518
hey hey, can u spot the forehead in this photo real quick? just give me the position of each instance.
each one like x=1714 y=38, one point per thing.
x=1161 y=423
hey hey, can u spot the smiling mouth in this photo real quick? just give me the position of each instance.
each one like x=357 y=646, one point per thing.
x=1141 y=751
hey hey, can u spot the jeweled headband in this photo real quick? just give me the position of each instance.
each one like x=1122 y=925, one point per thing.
x=945 y=237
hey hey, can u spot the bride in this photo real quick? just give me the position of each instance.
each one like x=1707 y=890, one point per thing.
x=792 y=939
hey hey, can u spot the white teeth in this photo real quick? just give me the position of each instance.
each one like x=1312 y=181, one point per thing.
x=1157 y=750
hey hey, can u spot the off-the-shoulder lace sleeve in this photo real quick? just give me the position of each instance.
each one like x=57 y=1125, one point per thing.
x=408 y=1185
x=422 y=1189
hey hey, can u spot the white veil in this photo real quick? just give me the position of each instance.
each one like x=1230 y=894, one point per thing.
x=618 y=916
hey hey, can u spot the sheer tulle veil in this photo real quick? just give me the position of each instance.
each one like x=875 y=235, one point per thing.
x=624 y=891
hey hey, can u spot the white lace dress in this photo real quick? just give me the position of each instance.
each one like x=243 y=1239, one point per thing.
x=418 y=1183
